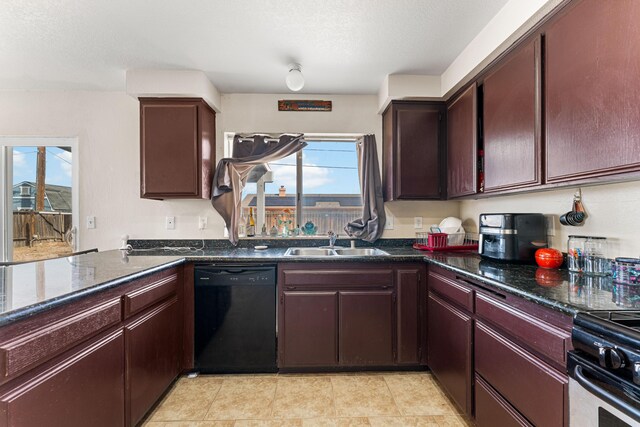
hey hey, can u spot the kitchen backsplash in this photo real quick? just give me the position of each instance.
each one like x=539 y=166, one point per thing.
x=613 y=212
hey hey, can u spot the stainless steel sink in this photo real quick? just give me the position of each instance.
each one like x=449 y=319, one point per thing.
x=360 y=252
x=309 y=252
x=337 y=251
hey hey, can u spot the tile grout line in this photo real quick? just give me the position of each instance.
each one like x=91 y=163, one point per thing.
x=214 y=398
x=273 y=401
x=333 y=397
x=384 y=377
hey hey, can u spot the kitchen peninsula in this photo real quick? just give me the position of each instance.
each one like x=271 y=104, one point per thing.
x=67 y=322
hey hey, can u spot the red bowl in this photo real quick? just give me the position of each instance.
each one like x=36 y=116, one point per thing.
x=549 y=258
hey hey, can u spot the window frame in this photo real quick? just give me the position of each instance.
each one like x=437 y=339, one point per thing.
x=7 y=143
x=329 y=137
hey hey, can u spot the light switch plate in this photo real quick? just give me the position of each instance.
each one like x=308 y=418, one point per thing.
x=417 y=222
x=170 y=222
x=202 y=222
x=91 y=222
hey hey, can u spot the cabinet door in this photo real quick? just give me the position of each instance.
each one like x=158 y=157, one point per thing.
x=153 y=344
x=592 y=88
x=492 y=410
x=366 y=328
x=85 y=388
x=309 y=329
x=449 y=346
x=531 y=386
x=412 y=150
x=411 y=301
x=169 y=149
x=512 y=121
x=461 y=144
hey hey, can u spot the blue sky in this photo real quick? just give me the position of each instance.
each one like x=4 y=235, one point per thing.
x=58 y=170
x=329 y=168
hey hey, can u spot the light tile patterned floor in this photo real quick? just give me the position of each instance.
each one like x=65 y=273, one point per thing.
x=360 y=399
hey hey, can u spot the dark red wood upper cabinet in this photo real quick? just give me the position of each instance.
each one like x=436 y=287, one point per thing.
x=366 y=328
x=511 y=113
x=308 y=329
x=413 y=141
x=592 y=88
x=462 y=149
x=450 y=340
x=177 y=148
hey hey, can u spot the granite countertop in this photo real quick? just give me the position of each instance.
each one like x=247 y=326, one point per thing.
x=27 y=289
x=553 y=288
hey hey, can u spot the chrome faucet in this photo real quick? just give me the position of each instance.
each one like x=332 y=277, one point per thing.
x=332 y=238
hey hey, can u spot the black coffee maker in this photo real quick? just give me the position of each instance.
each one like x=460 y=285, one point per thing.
x=512 y=236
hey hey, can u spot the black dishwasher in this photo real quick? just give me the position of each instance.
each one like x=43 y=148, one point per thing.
x=235 y=318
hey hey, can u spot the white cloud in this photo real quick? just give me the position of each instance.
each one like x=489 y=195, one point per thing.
x=19 y=159
x=67 y=168
x=312 y=177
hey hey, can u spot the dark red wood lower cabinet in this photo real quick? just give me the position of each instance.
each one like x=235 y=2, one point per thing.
x=449 y=350
x=411 y=302
x=535 y=389
x=309 y=329
x=85 y=388
x=153 y=345
x=492 y=410
x=366 y=328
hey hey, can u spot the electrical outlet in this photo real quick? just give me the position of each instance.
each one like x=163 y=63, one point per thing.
x=202 y=222
x=388 y=225
x=91 y=222
x=170 y=222
x=417 y=222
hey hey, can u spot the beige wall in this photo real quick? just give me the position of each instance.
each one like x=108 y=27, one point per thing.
x=612 y=211
x=107 y=127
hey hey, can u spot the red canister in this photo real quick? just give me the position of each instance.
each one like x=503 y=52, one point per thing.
x=549 y=258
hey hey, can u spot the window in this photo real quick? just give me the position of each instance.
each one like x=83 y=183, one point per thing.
x=318 y=186
x=38 y=214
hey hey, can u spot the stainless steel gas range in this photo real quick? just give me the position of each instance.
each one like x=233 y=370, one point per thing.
x=604 y=369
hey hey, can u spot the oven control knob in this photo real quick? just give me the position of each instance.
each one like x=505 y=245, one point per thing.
x=611 y=358
x=636 y=373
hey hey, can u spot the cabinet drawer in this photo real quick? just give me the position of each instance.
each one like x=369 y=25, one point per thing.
x=30 y=350
x=548 y=340
x=535 y=389
x=370 y=277
x=84 y=388
x=451 y=290
x=492 y=410
x=138 y=300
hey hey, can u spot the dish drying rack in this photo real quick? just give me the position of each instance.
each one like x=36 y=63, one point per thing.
x=426 y=241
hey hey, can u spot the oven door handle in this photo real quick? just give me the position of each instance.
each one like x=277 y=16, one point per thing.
x=605 y=395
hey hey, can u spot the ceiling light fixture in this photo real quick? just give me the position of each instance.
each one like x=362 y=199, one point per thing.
x=295 y=79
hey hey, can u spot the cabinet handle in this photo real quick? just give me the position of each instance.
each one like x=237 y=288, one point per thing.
x=290 y=288
x=491 y=291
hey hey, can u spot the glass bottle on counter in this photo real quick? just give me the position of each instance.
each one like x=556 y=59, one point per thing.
x=242 y=226
x=251 y=224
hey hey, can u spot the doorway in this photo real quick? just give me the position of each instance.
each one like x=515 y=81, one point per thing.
x=38 y=198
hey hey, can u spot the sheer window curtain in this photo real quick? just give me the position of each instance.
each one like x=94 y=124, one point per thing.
x=371 y=225
x=231 y=173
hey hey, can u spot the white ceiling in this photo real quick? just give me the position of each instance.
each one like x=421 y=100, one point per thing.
x=344 y=46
